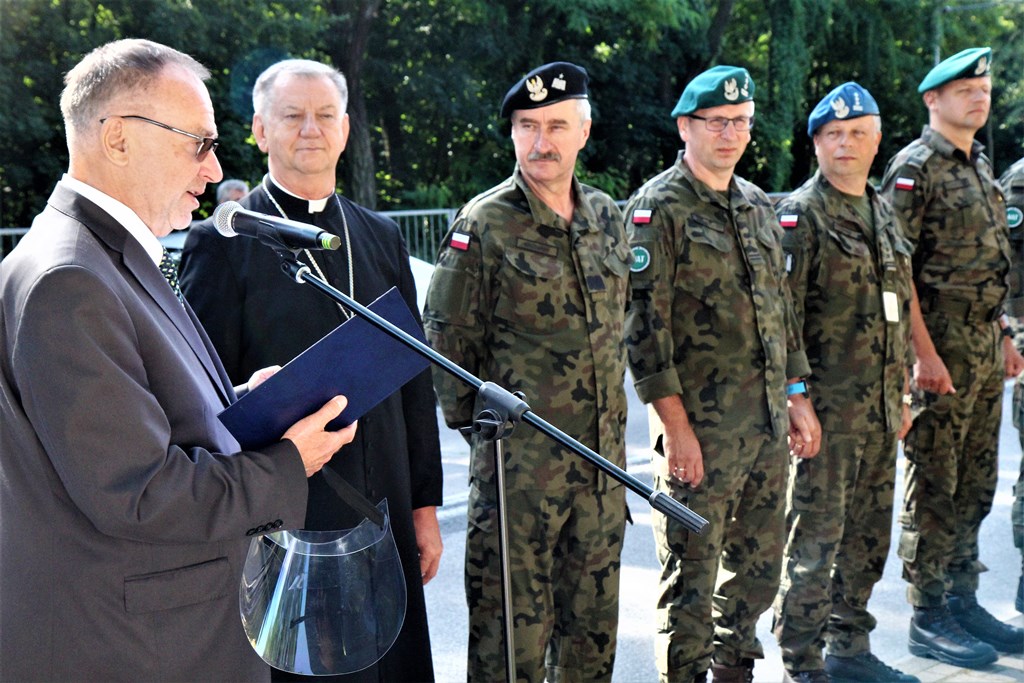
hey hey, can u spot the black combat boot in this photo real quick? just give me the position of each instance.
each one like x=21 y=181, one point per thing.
x=811 y=676
x=977 y=621
x=1019 y=604
x=864 y=667
x=739 y=673
x=934 y=633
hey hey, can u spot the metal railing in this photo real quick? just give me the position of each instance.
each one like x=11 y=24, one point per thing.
x=423 y=231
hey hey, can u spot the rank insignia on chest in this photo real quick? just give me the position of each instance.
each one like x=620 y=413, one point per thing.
x=904 y=183
x=789 y=220
x=460 y=241
x=641 y=216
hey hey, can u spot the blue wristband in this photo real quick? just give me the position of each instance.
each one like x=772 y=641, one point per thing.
x=796 y=388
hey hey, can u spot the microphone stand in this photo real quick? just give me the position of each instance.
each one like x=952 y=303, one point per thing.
x=502 y=410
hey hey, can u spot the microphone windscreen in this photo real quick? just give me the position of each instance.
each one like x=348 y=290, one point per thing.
x=222 y=216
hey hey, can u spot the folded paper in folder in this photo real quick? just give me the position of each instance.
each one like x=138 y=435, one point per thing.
x=357 y=360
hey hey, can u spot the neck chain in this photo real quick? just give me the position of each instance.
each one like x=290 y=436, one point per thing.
x=309 y=255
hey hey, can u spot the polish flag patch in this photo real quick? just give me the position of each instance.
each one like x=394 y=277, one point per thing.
x=641 y=216
x=788 y=220
x=904 y=183
x=460 y=241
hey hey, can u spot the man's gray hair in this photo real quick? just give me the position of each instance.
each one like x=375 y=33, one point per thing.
x=112 y=70
x=583 y=108
x=231 y=185
x=303 y=68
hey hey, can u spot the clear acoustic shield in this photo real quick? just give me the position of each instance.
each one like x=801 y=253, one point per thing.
x=324 y=602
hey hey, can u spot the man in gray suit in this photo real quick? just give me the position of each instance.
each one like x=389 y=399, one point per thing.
x=125 y=508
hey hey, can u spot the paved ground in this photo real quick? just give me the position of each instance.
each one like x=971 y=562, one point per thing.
x=447 y=610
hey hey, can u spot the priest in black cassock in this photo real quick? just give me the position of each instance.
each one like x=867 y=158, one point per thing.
x=257 y=318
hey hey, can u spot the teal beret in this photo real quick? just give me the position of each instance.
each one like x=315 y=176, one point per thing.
x=546 y=85
x=848 y=101
x=715 y=87
x=971 y=63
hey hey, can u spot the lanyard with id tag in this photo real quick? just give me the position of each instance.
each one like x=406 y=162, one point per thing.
x=891 y=305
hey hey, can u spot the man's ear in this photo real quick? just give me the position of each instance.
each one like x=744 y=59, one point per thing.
x=114 y=140
x=259 y=132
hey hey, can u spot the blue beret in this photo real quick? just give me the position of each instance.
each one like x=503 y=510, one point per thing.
x=848 y=101
x=546 y=85
x=715 y=87
x=970 y=63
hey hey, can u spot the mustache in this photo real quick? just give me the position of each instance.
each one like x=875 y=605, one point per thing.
x=544 y=156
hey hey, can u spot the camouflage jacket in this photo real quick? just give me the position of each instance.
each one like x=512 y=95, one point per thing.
x=954 y=214
x=523 y=299
x=851 y=298
x=710 y=316
x=1012 y=182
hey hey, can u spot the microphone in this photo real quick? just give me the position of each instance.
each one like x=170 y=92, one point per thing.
x=231 y=219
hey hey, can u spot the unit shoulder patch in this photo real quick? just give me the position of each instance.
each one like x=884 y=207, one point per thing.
x=641 y=259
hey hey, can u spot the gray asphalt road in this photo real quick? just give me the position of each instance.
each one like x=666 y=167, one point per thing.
x=635 y=658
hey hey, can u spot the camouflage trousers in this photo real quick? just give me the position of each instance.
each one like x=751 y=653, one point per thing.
x=839 y=515
x=713 y=587
x=1017 y=513
x=952 y=466
x=564 y=552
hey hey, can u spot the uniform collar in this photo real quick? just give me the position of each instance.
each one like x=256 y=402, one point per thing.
x=943 y=146
x=583 y=214
x=737 y=194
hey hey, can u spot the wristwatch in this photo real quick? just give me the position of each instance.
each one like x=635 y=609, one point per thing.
x=797 y=388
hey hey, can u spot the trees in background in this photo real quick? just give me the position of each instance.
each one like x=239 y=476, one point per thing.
x=427 y=78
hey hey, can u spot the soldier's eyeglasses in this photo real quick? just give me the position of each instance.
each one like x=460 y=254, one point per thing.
x=716 y=124
x=206 y=145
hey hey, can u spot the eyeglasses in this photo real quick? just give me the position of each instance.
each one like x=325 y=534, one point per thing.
x=206 y=145
x=716 y=124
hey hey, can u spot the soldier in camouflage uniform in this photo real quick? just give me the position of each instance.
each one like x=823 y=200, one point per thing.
x=849 y=274
x=530 y=291
x=707 y=338
x=954 y=215
x=1012 y=182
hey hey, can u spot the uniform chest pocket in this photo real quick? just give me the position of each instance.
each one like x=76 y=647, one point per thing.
x=702 y=231
x=849 y=242
x=849 y=270
x=531 y=290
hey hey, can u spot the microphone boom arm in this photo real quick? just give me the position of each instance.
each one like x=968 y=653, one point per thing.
x=659 y=500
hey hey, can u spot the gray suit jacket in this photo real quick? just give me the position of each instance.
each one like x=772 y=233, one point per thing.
x=124 y=506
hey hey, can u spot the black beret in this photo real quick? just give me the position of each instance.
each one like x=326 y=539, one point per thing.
x=546 y=85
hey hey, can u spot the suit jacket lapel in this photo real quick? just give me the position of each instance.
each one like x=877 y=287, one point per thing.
x=141 y=266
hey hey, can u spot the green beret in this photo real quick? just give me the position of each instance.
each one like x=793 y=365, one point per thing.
x=546 y=85
x=715 y=87
x=971 y=63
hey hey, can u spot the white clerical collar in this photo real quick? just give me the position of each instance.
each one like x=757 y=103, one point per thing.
x=120 y=213
x=315 y=205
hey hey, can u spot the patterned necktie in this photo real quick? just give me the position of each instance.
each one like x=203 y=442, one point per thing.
x=169 y=269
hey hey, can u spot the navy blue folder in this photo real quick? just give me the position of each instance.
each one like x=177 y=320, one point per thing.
x=356 y=360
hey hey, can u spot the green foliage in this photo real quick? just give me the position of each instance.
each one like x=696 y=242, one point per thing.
x=429 y=75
